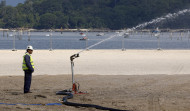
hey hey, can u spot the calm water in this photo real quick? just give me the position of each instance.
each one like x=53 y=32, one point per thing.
x=70 y=40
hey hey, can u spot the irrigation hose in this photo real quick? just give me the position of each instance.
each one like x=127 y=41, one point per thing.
x=48 y=104
x=69 y=95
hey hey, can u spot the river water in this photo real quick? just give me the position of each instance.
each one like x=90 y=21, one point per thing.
x=70 y=40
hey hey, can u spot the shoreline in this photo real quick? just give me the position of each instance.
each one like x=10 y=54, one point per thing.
x=91 y=30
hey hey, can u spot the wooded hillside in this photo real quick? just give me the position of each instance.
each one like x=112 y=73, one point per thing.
x=111 y=14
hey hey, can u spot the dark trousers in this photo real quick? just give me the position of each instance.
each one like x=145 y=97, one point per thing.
x=27 y=81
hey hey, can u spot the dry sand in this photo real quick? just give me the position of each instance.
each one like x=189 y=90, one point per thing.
x=138 y=80
x=101 y=62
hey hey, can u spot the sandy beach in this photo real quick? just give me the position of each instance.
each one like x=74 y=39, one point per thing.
x=124 y=92
x=100 y=62
x=137 y=80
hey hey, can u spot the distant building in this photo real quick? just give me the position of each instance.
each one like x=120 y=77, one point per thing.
x=3 y=3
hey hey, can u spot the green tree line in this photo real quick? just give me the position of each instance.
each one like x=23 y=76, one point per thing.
x=111 y=14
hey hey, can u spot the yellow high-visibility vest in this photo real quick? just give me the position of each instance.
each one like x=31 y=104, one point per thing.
x=24 y=67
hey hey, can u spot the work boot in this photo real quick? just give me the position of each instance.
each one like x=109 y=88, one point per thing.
x=27 y=92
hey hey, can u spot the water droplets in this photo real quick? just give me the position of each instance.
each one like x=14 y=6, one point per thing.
x=160 y=19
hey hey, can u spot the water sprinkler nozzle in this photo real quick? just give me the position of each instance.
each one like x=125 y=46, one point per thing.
x=74 y=56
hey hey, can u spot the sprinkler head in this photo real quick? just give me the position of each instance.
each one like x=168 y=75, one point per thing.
x=74 y=56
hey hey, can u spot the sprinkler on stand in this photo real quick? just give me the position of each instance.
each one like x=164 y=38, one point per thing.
x=75 y=90
x=74 y=84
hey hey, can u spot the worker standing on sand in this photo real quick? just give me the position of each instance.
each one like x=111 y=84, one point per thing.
x=28 y=68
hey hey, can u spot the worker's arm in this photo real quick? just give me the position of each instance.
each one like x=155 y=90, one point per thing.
x=28 y=64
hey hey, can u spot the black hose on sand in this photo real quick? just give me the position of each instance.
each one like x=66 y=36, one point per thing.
x=70 y=96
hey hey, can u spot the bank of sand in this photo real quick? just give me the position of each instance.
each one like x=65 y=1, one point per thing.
x=101 y=62
x=138 y=80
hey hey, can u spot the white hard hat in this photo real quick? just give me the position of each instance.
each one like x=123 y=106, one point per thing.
x=29 y=47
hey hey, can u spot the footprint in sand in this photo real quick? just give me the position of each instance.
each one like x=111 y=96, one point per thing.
x=39 y=96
